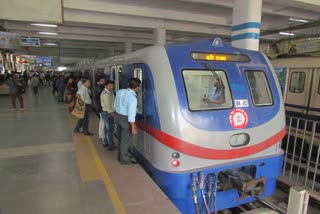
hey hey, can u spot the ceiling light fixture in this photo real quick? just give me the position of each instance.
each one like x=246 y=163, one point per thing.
x=48 y=33
x=286 y=34
x=44 y=25
x=50 y=44
x=62 y=68
x=298 y=20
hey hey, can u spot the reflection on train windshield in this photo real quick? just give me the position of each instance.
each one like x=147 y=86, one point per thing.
x=207 y=89
x=259 y=87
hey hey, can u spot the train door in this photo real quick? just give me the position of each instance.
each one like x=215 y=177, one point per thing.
x=140 y=143
x=298 y=91
x=314 y=107
x=116 y=73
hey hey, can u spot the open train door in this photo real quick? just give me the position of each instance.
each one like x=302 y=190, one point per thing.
x=140 y=142
x=314 y=106
x=115 y=76
x=298 y=91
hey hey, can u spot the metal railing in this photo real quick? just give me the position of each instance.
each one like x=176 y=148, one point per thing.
x=302 y=151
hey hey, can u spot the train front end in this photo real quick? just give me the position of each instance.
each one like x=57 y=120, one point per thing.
x=221 y=128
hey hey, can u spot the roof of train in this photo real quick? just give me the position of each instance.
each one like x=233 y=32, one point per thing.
x=297 y=62
x=204 y=45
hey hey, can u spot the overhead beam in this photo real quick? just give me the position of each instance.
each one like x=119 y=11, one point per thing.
x=72 y=15
x=19 y=26
x=140 y=11
x=84 y=37
x=269 y=8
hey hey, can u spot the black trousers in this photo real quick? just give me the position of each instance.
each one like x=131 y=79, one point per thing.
x=124 y=138
x=35 y=89
x=14 y=97
x=84 y=122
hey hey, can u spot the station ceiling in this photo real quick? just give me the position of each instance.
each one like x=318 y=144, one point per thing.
x=98 y=28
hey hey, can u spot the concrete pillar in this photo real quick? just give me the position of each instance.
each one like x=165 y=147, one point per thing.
x=159 y=36
x=111 y=51
x=128 y=46
x=246 y=24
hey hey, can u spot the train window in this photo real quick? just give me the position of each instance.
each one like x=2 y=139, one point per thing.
x=297 y=82
x=138 y=74
x=207 y=90
x=259 y=88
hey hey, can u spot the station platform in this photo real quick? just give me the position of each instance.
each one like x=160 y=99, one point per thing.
x=46 y=168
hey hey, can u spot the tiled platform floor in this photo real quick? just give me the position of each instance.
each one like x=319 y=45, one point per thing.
x=45 y=168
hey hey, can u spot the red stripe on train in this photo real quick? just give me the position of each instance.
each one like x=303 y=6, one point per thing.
x=202 y=152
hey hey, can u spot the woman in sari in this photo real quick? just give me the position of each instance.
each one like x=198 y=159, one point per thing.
x=71 y=91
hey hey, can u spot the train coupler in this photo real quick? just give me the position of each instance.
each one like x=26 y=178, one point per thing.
x=253 y=187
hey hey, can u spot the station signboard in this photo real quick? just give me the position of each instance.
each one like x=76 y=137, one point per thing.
x=29 y=41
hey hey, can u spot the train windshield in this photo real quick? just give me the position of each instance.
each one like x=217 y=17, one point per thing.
x=207 y=90
x=259 y=88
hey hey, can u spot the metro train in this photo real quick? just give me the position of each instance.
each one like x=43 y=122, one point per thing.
x=300 y=77
x=205 y=155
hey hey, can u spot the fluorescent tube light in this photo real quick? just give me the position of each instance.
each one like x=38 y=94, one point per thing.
x=298 y=20
x=286 y=34
x=62 y=68
x=44 y=25
x=48 y=33
x=50 y=44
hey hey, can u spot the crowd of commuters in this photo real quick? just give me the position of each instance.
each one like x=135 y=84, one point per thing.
x=115 y=110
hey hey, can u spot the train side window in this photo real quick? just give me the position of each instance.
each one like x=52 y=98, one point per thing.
x=207 y=90
x=297 y=82
x=259 y=88
x=139 y=74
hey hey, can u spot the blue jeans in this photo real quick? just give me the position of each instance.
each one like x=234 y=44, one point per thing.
x=108 y=128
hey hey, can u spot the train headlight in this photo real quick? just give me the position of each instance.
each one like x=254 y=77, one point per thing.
x=239 y=140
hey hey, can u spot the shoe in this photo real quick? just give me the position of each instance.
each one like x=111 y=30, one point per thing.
x=110 y=148
x=21 y=109
x=15 y=109
x=76 y=131
x=88 y=134
x=133 y=162
x=125 y=163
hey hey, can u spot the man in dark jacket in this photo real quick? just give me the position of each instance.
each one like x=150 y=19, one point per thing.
x=13 y=83
x=97 y=103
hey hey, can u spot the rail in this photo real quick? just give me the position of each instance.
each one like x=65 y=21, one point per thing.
x=301 y=152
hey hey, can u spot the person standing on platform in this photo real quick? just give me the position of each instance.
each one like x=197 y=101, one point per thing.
x=107 y=101
x=54 y=84
x=34 y=82
x=71 y=91
x=83 y=95
x=97 y=104
x=41 y=78
x=125 y=106
x=61 y=86
x=13 y=83
x=47 y=79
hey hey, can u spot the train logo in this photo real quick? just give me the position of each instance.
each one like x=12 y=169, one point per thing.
x=238 y=118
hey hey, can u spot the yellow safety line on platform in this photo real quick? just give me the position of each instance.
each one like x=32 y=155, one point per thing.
x=86 y=162
x=118 y=206
x=103 y=174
